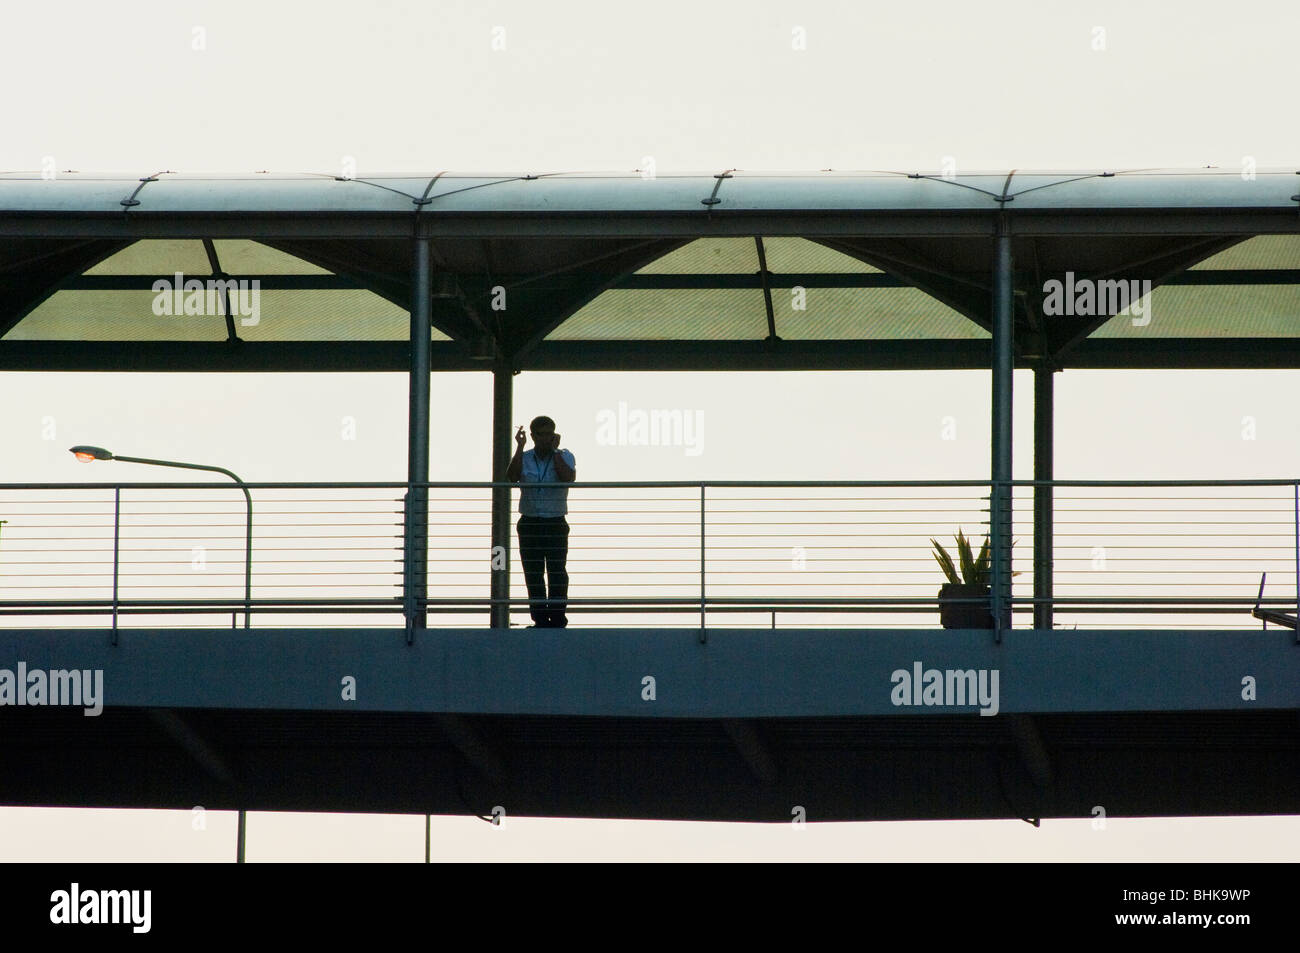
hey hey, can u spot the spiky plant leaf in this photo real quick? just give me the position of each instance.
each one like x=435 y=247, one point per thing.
x=945 y=562
x=975 y=570
x=967 y=559
x=976 y=574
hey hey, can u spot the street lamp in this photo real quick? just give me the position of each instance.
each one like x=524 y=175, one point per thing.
x=87 y=454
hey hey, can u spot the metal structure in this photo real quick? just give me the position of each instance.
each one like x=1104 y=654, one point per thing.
x=99 y=453
x=586 y=272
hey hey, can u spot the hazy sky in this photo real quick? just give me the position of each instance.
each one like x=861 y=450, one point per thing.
x=520 y=87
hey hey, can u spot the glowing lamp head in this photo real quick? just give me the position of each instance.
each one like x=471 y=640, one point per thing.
x=86 y=454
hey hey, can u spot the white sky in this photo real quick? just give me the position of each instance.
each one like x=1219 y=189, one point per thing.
x=418 y=87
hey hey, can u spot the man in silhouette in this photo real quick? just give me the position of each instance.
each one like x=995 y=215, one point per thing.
x=543 y=530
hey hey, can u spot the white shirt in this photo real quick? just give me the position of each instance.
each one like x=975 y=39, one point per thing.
x=544 y=501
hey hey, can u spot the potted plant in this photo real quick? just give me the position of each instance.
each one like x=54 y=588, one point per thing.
x=957 y=608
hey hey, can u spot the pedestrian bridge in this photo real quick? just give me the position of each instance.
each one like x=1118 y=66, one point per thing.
x=744 y=651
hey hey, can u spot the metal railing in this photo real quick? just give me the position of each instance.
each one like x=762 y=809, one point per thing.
x=850 y=554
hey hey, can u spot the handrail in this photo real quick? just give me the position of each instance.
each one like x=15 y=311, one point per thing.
x=329 y=547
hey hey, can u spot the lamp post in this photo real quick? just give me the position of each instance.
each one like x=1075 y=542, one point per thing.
x=87 y=454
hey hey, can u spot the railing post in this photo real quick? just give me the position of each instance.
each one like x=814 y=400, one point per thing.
x=1297 y=561
x=703 y=633
x=117 y=523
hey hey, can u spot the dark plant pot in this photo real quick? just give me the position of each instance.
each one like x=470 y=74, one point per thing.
x=965 y=615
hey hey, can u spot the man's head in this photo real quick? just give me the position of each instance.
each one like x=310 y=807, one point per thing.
x=543 y=433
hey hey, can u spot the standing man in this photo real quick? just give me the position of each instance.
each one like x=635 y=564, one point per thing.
x=543 y=530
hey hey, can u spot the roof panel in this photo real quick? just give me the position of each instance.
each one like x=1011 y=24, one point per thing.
x=112 y=316
x=793 y=256
x=869 y=191
x=739 y=256
x=1210 y=311
x=68 y=193
x=238 y=257
x=572 y=193
x=868 y=314
x=156 y=257
x=1266 y=251
x=587 y=192
x=165 y=257
x=653 y=315
x=180 y=193
x=1150 y=190
x=712 y=256
x=266 y=194
x=340 y=314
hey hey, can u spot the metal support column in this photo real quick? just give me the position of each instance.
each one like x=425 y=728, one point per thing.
x=417 y=450
x=1003 y=366
x=502 y=450
x=1043 y=470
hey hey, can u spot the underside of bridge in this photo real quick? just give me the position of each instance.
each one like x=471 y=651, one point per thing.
x=903 y=767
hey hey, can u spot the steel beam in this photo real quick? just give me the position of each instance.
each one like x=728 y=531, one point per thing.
x=502 y=412
x=364 y=226
x=1000 y=496
x=417 y=449
x=1044 y=410
x=641 y=355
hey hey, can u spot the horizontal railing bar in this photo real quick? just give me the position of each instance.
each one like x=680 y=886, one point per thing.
x=483 y=484
x=232 y=602
x=930 y=601
x=481 y=504
x=221 y=549
x=199 y=574
x=171 y=562
x=651 y=484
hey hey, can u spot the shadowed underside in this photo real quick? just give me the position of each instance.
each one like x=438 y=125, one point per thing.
x=897 y=768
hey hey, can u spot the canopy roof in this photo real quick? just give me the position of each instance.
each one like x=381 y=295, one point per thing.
x=600 y=271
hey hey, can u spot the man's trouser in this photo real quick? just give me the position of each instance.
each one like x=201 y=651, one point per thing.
x=544 y=546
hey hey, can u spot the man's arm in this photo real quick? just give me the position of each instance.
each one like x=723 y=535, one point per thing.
x=516 y=468
x=563 y=472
